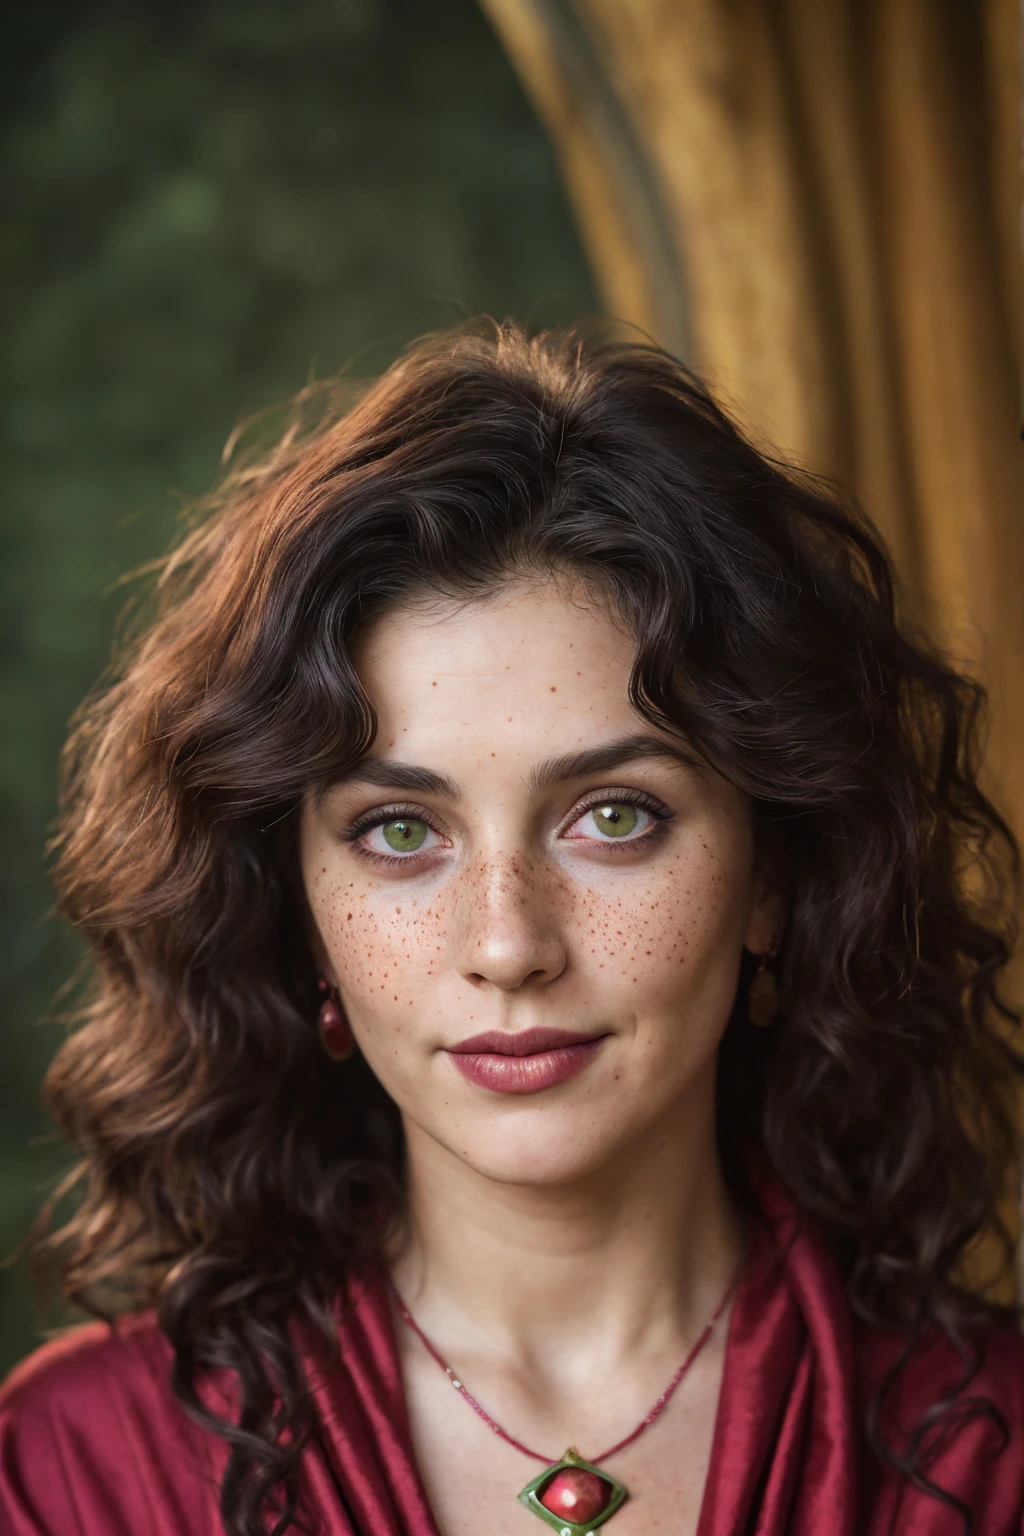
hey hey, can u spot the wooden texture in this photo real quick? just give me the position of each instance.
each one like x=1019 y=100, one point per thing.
x=841 y=193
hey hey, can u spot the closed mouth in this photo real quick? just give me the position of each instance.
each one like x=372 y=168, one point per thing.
x=523 y=1042
x=526 y=1060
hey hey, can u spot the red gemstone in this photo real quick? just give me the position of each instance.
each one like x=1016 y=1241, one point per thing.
x=576 y=1495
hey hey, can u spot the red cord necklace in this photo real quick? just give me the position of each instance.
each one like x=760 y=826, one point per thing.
x=572 y=1495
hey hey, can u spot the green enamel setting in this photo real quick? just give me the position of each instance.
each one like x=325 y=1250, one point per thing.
x=529 y=1497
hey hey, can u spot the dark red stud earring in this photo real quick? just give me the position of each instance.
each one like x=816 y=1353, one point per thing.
x=763 y=996
x=335 y=1031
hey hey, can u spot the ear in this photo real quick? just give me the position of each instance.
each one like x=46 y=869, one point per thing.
x=286 y=845
x=320 y=956
x=769 y=905
x=323 y=962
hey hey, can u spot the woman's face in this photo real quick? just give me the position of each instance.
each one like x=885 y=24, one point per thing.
x=532 y=902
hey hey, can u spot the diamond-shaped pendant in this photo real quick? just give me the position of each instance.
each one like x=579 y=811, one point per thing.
x=573 y=1496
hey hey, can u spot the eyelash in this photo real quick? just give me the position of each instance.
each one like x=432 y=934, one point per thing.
x=379 y=818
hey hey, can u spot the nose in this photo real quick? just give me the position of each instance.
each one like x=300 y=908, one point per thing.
x=509 y=936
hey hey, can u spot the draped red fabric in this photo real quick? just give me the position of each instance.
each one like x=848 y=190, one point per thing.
x=93 y=1443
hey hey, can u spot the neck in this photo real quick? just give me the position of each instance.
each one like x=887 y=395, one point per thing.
x=632 y=1258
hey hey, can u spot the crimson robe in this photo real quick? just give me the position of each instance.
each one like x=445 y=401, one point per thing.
x=93 y=1443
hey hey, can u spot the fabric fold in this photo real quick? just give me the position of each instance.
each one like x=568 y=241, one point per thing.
x=93 y=1442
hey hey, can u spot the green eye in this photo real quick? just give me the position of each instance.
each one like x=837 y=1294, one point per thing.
x=405 y=836
x=616 y=820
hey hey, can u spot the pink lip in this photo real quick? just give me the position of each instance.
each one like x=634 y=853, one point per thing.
x=526 y=1061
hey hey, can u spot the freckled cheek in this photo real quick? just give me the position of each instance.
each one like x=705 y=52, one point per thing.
x=386 y=955
x=624 y=945
x=649 y=937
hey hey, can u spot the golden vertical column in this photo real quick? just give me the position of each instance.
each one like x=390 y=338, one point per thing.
x=819 y=202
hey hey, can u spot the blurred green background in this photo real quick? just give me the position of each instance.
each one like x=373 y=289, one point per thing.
x=205 y=204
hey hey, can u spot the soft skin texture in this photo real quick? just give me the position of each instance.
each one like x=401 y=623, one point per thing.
x=508 y=917
x=561 y=1240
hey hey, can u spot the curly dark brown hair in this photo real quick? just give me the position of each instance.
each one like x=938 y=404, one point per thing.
x=229 y=1178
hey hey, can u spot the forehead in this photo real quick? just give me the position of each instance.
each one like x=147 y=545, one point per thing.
x=515 y=693
x=537 y=657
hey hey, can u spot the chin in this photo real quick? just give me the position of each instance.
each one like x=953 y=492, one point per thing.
x=539 y=1149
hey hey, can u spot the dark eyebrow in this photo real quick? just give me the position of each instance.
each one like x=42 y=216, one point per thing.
x=578 y=765
x=571 y=765
x=388 y=775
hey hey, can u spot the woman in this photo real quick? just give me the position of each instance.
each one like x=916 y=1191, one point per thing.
x=547 y=930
